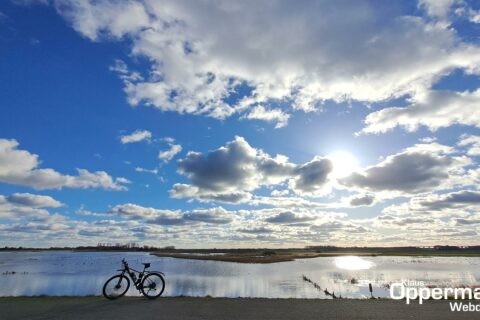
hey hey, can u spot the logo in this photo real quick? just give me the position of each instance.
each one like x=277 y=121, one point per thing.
x=417 y=291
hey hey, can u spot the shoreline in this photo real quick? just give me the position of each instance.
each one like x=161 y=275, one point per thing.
x=255 y=257
x=285 y=257
x=259 y=256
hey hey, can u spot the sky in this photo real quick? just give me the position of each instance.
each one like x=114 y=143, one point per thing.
x=226 y=124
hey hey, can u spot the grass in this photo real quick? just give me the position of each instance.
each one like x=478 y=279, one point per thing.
x=283 y=255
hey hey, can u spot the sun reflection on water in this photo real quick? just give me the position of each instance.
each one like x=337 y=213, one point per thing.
x=353 y=263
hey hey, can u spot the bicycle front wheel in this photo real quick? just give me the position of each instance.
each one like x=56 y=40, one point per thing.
x=153 y=285
x=116 y=286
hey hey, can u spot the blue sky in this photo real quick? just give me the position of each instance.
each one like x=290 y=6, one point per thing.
x=236 y=125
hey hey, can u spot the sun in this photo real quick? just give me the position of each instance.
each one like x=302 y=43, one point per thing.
x=344 y=163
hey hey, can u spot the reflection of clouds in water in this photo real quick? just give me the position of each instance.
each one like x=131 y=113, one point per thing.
x=66 y=273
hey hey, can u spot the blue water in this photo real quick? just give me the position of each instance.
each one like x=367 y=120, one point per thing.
x=79 y=274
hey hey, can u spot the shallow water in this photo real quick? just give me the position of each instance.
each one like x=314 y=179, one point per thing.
x=68 y=273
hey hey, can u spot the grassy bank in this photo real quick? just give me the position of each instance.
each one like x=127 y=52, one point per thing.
x=282 y=255
x=269 y=255
x=254 y=257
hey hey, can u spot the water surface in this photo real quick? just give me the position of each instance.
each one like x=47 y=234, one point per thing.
x=79 y=274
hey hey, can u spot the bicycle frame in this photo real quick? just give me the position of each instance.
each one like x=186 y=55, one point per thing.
x=149 y=283
x=132 y=274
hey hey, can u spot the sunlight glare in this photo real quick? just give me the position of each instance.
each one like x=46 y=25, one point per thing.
x=344 y=163
x=353 y=263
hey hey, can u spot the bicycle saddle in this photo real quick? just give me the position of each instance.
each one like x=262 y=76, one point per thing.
x=146 y=264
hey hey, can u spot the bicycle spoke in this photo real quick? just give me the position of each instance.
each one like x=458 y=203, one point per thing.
x=114 y=288
x=153 y=286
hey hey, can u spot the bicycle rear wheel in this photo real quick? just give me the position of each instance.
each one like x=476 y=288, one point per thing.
x=153 y=285
x=116 y=286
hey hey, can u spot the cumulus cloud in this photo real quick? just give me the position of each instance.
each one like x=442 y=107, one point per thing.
x=438 y=8
x=136 y=136
x=168 y=155
x=470 y=221
x=331 y=226
x=363 y=200
x=11 y=209
x=20 y=167
x=434 y=214
x=453 y=200
x=133 y=211
x=312 y=177
x=288 y=217
x=213 y=216
x=406 y=221
x=455 y=204
x=204 y=53
x=258 y=230
x=420 y=168
x=472 y=142
x=272 y=115
x=33 y=200
x=108 y=18
x=172 y=217
x=181 y=190
x=236 y=168
x=433 y=109
x=474 y=16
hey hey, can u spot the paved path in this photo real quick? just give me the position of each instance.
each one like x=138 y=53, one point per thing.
x=66 y=308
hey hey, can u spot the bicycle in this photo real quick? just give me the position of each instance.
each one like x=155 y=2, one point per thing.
x=150 y=283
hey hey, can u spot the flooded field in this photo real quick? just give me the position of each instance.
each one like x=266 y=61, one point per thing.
x=80 y=274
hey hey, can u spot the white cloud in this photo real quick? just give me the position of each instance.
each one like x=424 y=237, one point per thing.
x=33 y=200
x=136 y=136
x=144 y=170
x=288 y=217
x=438 y=8
x=421 y=168
x=108 y=18
x=312 y=177
x=168 y=155
x=236 y=166
x=133 y=211
x=433 y=109
x=270 y=115
x=362 y=200
x=467 y=12
x=472 y=142
x=474 y=16
x=20 y=167
x=346 y=227
x=419 y=222
x=279 y=193
x=229 y=172
x=302 y=53
x=169 y=217
x=464 y=199
x=14 y=211
x=180 y=191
